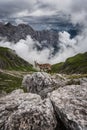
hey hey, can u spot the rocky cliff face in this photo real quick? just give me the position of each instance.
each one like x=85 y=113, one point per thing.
x=15 y=33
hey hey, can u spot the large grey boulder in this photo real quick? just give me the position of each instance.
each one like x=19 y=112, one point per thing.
x=40 y=83
x=2 y=93
x=70 y=104
x=26 y=111
x=82 y=81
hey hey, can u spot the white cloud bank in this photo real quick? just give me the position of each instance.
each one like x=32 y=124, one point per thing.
x=68 y=47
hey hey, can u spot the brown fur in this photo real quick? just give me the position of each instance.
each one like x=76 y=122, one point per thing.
x=43 y=67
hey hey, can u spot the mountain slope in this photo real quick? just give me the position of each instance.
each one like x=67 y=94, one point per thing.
x=75 y=64
x=9 y=82
x=12 y=70
x=10 y=61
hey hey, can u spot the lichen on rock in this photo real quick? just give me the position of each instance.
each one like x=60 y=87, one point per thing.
x=40 y=82
x=70 y=104
x=26 y=111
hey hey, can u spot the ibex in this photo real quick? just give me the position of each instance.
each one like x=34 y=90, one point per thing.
x=43 y=67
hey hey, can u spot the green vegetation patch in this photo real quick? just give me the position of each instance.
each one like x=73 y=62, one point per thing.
x=74 y=76
x=75 y=64
x=9 y=60
x=9 y=83
x=57 y=67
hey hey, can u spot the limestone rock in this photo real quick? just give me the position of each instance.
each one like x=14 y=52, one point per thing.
x=2 y=93
x=83 y=81
x=40 y=83
x=77 y=81
x=26 y=111
x=70 y=104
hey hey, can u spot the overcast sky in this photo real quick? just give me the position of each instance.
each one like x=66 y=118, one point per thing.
x=77 y=9
x=20 y=8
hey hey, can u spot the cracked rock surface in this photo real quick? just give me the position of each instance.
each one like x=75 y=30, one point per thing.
x=70 y=104
x=41 y=83
x=26 y=111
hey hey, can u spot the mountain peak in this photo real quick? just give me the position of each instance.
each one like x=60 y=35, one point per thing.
x=8 y=24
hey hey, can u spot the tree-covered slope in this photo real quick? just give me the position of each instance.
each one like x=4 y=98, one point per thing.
x=11 y=61
x=75 y=64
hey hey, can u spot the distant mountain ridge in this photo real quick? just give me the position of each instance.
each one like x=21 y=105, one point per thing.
x=46 y=38
x=15 y=33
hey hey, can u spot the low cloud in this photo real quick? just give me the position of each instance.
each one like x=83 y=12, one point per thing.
x=77 y=12
x=19 y=21
x=68 y=47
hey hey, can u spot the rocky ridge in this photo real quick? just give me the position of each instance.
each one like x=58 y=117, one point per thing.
x=15 y=33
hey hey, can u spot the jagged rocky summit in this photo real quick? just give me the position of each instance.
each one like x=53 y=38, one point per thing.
x=14 y=33
x=46 y=38
x=62 y=109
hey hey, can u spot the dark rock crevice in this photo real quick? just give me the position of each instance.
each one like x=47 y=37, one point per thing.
x=60 y=124
x=67 y=111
